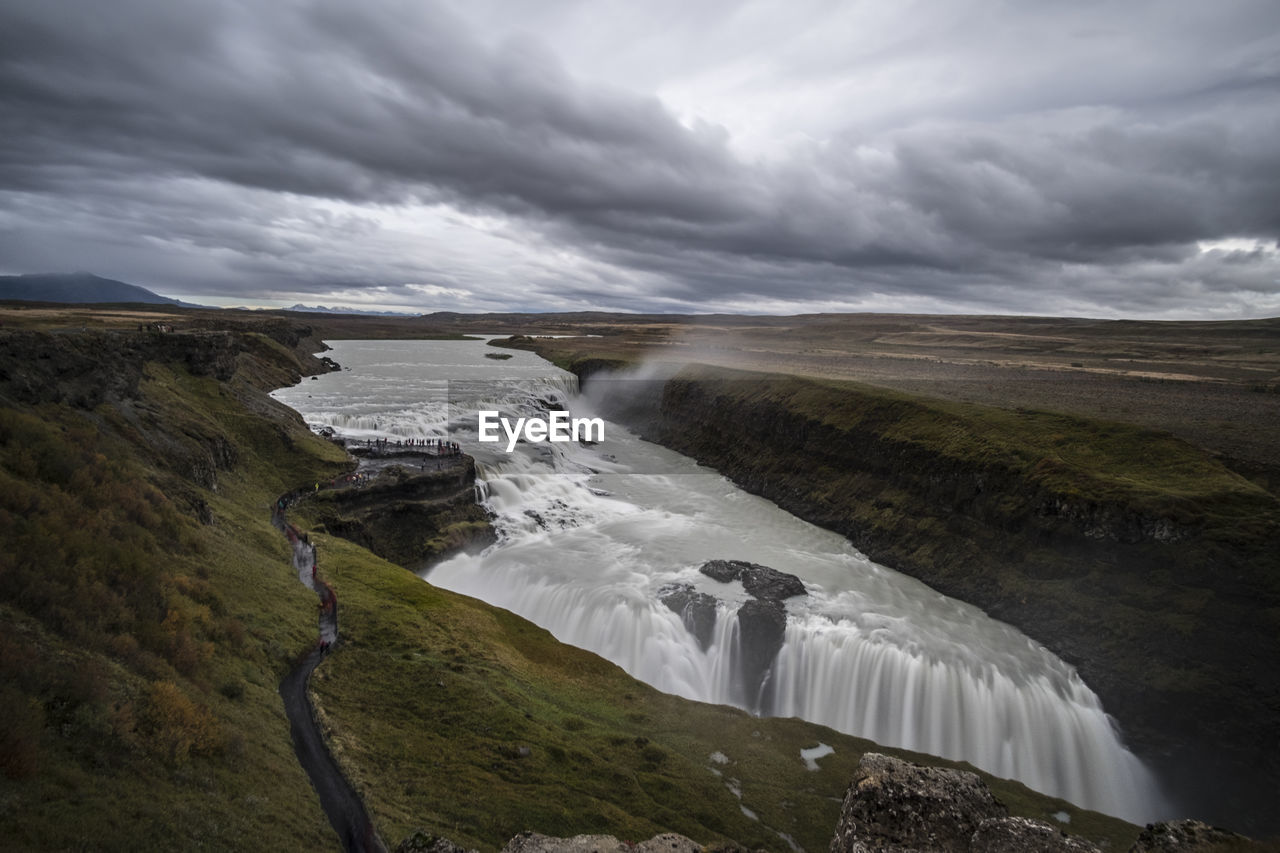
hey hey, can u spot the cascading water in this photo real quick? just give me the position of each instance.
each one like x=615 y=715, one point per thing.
x=589 y=536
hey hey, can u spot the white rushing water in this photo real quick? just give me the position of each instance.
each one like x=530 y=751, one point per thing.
x=588 y=535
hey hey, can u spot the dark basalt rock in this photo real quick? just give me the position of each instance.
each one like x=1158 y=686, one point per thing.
x=697 y=610
x=407 y=515
x=762 y=622
x=760 y=581
x=761 y=626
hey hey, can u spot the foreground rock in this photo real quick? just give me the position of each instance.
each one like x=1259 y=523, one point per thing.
x=422 y=841
x=898 y=807
x=532 y=842
x=1189 y=836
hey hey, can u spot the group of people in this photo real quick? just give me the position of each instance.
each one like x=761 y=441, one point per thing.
x=328 y=598
x=438 y=446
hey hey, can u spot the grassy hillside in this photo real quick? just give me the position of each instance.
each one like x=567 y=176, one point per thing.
x=143 y=647
x=150 y=612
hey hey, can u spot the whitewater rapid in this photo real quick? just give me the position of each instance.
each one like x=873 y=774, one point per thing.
x=588 y=535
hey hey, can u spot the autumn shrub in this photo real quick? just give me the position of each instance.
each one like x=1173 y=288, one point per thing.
x=91 y=547
x=176 y=727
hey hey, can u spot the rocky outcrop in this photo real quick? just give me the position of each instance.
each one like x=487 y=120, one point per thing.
x=759 y=581
x=1189 y=836
x=1023 y=835
x=407 y=515
x=88 y=368
x=697 y=610
x=422 y=841
x=893 y=806
x=532 y=842
x=762 y=624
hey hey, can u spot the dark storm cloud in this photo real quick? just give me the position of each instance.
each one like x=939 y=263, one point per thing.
x=192 y=125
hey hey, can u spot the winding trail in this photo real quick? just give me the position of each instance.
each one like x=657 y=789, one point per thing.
x=341 y=804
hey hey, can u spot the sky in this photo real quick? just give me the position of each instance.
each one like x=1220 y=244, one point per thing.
x=1105 y=159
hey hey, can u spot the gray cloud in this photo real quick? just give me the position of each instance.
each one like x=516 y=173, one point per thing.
x=239 y=149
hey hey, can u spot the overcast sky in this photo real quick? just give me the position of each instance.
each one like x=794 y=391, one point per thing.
x=1079 y=158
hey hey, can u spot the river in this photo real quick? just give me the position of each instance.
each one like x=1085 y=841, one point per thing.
x=589 y=537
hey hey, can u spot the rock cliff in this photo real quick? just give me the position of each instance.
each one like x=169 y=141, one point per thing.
x=408 y=515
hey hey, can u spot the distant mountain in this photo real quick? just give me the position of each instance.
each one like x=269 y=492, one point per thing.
x=322 y=309
x=79 y=287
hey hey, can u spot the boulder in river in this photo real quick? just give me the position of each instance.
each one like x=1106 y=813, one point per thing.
x=760 y=581
x=761 y=626
x=697 y=610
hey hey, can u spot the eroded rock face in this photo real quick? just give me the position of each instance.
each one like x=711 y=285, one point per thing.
x=532 y=842
x=760 y=581
x=1023 y=835
x=697 y=610
x=893 y=806
x=898 y=807
x=1185 y=836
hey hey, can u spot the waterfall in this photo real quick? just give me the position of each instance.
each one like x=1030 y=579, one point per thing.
x=589 y=536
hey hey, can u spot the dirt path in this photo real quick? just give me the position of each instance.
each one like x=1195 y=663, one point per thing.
x=341 y=803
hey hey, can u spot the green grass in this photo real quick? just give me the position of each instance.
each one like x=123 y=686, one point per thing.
x=1087 y=459
x=145 y=662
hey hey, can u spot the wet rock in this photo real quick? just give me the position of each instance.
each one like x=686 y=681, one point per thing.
x=761 y=626
x=696 y=609
x=760 y=581
x=1023 y=835
x=532 y=842
x=898 y=807
x=1187 y=836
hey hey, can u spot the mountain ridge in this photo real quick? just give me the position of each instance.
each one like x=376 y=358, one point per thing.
x=80 y=287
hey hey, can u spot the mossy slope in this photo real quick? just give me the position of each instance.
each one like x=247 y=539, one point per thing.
x=142 y=645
